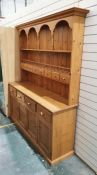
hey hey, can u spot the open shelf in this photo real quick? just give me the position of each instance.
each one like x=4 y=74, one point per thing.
x=23 y=39
x=44 y=50
x=32 y=39
x=62 y=36
x=45 y=39
x=24 y=61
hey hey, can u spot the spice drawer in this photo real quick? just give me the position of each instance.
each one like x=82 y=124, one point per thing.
x=65 y=78
x=48 y=73
x=55 y=76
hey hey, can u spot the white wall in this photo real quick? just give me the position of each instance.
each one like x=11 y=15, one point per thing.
x=86 y=128
x=8 y=8
x=7 y=47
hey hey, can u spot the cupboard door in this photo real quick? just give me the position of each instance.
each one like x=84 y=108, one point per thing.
x=15 y=111
x=14 y=108
x=32 y=124
x=44 y=137
x=23 y=116
x=10 y=105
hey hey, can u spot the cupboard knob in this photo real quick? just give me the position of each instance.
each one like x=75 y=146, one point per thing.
x=28 y=103
x=63 y=78
x=41 y=113
x=19 y=96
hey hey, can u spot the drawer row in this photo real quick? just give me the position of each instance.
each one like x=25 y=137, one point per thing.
x=31 y=104
x=54 y=74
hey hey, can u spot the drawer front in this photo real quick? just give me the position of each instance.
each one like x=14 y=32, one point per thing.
x=12 y=91
x=41 y=71
x=48 y=73
x=35 y=69
x=55 y=76
x=65 y=78
x=30 y=104
x=44 y=113
x=20 y=96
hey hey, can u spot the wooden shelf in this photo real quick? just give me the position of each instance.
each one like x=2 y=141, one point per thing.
x=44 y=64
x=43 y=50
x=58 y=75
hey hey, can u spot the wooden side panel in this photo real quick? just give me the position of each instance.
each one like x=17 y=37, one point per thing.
x=78 y=29
x=63 y=133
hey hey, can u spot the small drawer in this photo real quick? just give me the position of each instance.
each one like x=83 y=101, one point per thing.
x=30 y=104
x=48 y=73
x=29 y=67
x=20 y=96
x=41 y=71
x=35 y=69
x=44 y=113
x=65 y=78
x=55 y=76
x=22 y=65
x=26 y=66
x=12 y=91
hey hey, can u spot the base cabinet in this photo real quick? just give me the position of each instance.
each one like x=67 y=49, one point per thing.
x=51 y=133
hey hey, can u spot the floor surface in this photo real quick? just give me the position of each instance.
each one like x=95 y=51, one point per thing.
x=17 y=157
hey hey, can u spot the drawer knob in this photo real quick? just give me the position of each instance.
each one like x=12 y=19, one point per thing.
x=28 y=103
x=63 y=78
x=19 y=96
x=41 y=113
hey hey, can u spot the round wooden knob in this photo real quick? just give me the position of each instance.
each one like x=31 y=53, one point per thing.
x=28 y=103
x=19 y=96
x=63 y=78
x=41 y=113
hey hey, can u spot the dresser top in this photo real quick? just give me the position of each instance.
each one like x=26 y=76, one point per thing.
x=75 y=11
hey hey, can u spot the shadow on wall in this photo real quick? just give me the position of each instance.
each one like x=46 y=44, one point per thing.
x=0 y=71
x=2 y=106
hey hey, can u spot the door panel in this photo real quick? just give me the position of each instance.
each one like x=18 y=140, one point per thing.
x=23 y=116
x=44 y=137
x=32 y=124
x=14 y=108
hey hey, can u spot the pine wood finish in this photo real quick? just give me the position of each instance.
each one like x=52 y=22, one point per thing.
x=43 y=105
